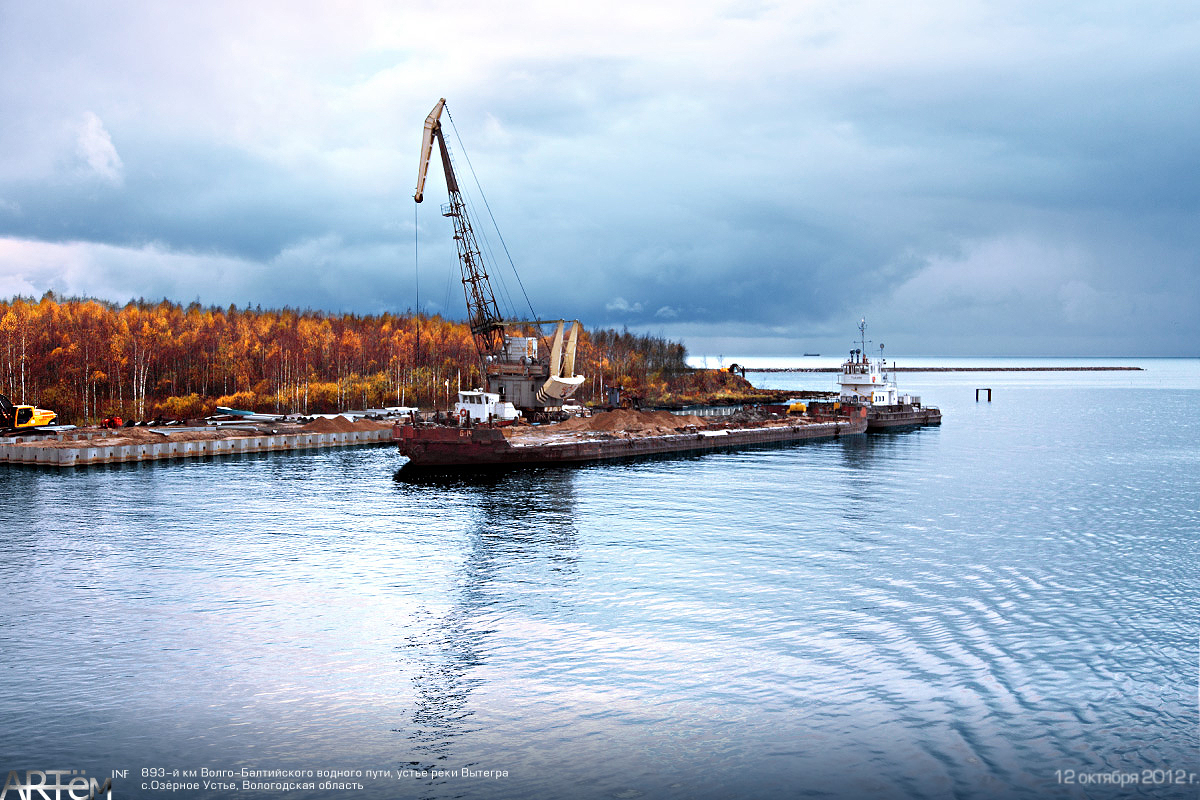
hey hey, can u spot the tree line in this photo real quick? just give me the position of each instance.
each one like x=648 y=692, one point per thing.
x=87 y=359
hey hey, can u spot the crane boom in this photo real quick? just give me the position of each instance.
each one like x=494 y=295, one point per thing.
x=432 y=122
x=483 y=314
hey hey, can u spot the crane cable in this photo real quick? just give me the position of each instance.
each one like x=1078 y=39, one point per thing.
x=417 y=278
x=503 y=244
x=498 y=284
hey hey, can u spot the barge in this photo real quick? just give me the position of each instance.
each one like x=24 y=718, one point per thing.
x=473 y=447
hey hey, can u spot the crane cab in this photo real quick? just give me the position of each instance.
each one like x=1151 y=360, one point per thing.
x=22 y=417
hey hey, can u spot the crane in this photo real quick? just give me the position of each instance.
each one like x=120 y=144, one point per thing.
x=511 y=365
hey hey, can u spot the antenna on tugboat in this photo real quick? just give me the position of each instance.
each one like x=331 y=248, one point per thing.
x=862 y=331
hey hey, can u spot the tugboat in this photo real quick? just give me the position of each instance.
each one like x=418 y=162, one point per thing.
x=867 y=383
x=481 y=406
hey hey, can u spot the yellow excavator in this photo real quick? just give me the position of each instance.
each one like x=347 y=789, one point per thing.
x=14 y=419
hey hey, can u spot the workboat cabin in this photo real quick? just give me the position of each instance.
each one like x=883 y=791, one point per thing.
x=481 y=406
x=868 y=382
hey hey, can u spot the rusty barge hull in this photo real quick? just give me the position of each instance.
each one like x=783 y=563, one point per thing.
x=440 y=448
x=886 y=417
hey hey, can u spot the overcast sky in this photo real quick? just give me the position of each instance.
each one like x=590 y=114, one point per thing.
x=976 y=178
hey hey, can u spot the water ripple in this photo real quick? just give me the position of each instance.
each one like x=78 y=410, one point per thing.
x=961 y=611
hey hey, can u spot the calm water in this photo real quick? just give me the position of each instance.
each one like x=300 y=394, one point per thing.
x=985 y=609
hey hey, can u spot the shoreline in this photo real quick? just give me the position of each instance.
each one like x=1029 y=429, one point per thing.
x=954 y=369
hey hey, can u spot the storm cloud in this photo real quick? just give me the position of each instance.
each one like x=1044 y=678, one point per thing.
x=974 y=178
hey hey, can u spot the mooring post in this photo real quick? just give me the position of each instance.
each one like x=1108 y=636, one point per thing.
x=977 y=391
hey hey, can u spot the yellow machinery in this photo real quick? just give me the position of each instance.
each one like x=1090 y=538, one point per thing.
x=23 y=418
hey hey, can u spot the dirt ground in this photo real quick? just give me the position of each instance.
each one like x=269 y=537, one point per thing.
x=340 y=424
x=639 y=423
x=123 y=436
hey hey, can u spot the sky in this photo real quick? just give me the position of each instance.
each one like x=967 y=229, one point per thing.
x=750 y=178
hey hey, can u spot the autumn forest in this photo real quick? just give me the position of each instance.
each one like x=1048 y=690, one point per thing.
x=87 y=359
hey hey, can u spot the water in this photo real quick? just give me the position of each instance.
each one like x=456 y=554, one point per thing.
x=991 y=608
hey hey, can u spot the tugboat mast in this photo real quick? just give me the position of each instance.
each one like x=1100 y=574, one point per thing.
x=862 y=332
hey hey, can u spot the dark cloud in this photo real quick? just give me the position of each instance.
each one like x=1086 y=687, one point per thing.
x=977 y=180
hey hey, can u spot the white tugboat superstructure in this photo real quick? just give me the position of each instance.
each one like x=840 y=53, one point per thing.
x=481 y=406
x=869 y=383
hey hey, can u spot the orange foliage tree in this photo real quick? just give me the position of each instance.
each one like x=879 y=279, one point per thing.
x=88 y=358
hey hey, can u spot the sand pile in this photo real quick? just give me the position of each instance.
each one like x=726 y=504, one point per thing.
x=338 y=424
x=628 y=421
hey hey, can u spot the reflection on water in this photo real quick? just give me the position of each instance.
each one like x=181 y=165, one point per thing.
x=517 y=519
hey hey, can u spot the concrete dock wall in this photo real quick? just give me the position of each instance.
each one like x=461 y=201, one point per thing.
x=27 y=450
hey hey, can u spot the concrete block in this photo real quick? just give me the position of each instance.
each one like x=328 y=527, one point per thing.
x=12 y=451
